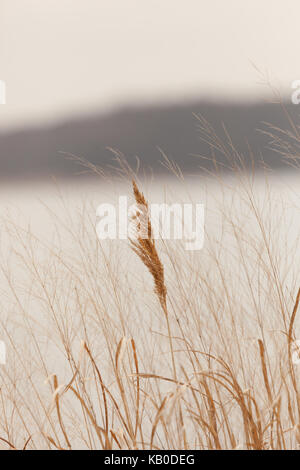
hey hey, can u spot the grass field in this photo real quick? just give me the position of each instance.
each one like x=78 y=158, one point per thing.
x=140 y=344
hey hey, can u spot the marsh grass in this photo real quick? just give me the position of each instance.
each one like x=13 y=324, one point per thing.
x=142 y=345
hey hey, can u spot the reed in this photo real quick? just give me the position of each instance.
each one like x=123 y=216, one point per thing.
x=147 y=346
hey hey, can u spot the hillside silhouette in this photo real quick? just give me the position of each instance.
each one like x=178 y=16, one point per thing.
x=39 y=152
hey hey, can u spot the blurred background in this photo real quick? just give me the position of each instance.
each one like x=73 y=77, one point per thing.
x=84 y=76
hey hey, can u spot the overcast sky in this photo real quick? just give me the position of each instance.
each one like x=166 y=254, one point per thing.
x=64 y=57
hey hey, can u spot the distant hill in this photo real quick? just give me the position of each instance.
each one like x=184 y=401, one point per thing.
x=35 y=153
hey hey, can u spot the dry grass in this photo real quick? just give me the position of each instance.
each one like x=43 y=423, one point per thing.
x=98 y=359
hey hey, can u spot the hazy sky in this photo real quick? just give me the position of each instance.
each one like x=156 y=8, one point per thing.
x=64 y=57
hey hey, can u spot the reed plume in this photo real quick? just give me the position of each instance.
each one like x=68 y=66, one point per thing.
x=146 y=250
